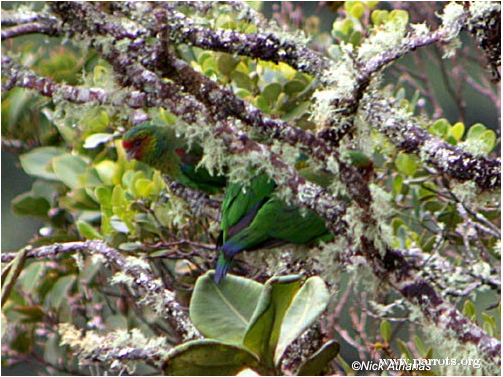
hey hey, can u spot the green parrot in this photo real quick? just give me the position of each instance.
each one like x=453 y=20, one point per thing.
x=160 y=148
x=254 y=218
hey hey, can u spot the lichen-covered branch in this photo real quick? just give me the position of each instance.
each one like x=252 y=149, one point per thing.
x=441 y=272
x=485 y=26
x=155 y=294
x=24 y=29
x=199 y=202
x=393 y=267
x=19 y=76
x=25 y=16
x=180 y=29
x=116 y=349
x=447 y=159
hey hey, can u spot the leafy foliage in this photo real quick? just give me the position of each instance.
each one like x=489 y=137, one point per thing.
x=280 y=322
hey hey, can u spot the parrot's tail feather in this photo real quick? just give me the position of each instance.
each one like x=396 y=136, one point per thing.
x=223 y=266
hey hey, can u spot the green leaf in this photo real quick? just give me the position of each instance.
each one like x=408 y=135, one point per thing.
x=357 y=10
x=226 y=63
x=297 y=111
x=119 y=225
x=397 y=184
x=385 y=331
x=207 y=357
x=371 y=4
x=94 y=140
x=224 y=311
x=242 y=80
x=31 y=276
x=106 y=171
x=341 y=29
x=476 y=131
x=87 y=231
x=488 y=328
x=263 y=332
x=11 y=273
x=404 y=349
x=457 y=131
x=489 y=140
x=315 y=363
x=143 y=188
x=399 y=16
x=440 y=128
x=31 y=314
x=294 y=86
x=469 y=309
x=420 y=346
x=38 y=162
x=262 y=104
x=69 y=169
x=53 y=352
x=379 y=17
x=131 y=246
x=27 y=204
x=272 y=91
x=59 y=292
x=356 y=38
x=406 y=164
x=309 y=302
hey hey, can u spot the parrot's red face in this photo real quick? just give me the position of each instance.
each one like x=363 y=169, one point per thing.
x=134 y=147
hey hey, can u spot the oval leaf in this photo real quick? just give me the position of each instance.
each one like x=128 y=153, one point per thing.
x=96 y=139
x=69 y=168
x=309 y=302
x=207 y=358
x=224 y=311
x=262 y=334
x=38 y=162
x=27 y=204
x=406 y=164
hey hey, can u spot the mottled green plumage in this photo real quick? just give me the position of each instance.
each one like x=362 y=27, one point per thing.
x=162 y=149
x=254 y=218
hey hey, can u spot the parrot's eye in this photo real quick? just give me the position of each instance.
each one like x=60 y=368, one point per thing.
x=137 y=143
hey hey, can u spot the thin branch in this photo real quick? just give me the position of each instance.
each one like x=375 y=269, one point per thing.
x=258 y=46
x=19 y=76
x=13 y=18
x=33 y=28
x=142 y=278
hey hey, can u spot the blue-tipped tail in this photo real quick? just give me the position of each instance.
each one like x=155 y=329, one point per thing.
x=222 y=268
x=229 y=249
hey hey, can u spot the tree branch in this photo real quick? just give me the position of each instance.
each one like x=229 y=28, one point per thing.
x=141 y=276
x=19 y=76
x=32 y=28
x=446 y=158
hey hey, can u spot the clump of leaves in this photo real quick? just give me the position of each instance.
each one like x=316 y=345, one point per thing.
x=250 y=325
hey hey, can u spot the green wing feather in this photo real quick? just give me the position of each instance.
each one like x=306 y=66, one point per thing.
x=240 y=202
x=255 y=218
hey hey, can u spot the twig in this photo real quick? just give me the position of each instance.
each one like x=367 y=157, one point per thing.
x=24 y=29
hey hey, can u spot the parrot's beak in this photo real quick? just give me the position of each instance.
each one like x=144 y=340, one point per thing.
x=130 y=154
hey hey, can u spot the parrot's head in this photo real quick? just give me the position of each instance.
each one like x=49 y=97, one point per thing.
x=158 y=147
x=139 y=142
